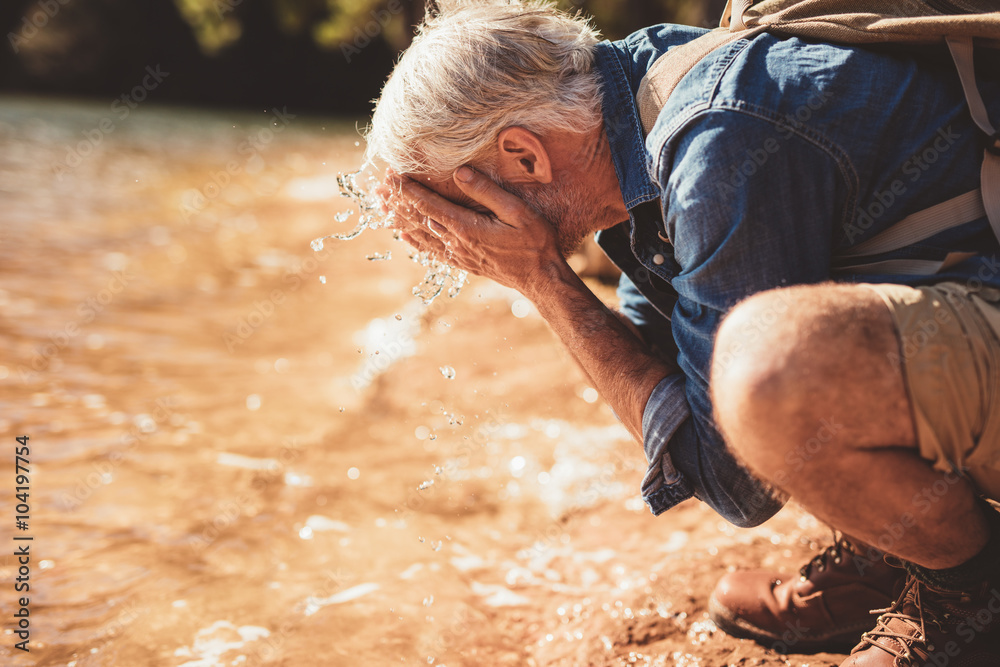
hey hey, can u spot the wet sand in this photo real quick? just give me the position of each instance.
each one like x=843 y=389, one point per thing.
x=233 y=463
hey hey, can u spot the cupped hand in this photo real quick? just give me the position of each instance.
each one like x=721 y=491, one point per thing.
x=513 y=245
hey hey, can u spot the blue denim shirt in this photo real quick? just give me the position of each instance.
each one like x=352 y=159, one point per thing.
x=770 y=157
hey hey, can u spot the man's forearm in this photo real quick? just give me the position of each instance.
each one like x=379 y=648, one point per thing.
x=616 y=360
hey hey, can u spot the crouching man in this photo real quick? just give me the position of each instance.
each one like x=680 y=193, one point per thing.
x=868 y=390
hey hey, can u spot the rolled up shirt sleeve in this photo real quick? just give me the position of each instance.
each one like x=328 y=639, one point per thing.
x=667 y=408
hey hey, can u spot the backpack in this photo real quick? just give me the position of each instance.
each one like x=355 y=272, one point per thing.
x=957 y=23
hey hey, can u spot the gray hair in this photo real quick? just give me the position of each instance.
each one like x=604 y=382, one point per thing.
x=476 y=67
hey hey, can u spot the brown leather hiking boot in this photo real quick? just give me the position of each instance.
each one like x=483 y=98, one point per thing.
x=826 y=608
x=934 y=628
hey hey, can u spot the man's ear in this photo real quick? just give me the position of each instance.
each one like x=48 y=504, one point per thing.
x=522 y=157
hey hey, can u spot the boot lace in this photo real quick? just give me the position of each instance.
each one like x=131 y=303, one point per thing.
x=835 y=553
x=911 y=631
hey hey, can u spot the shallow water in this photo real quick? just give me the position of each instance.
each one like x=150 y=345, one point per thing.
x=236 y=463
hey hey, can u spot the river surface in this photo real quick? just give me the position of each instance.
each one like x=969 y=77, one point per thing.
x=244 y=452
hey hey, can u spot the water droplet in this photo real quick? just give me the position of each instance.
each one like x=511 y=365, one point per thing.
x=322 y=279
x=429 y=600
x=517 y=465
x=399 y=317
x=353 y=473
x=436 y=546
x=341 y=408
x=317 y=244
x=521 y=308
x=379 y=256
x=425 y=484
x=448 y=372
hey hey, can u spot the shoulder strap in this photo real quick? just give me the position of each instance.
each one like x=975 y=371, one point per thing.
x=961 y=53
x=921 y=225
x=672 y=66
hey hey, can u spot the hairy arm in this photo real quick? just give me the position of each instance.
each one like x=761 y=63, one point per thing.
x=610 y=353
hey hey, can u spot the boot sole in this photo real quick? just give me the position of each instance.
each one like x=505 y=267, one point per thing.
x=841 y=642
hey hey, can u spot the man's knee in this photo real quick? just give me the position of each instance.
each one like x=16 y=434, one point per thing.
x=750 y=364
x=805 y=357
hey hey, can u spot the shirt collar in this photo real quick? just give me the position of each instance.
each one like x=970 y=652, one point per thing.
x=622 y=125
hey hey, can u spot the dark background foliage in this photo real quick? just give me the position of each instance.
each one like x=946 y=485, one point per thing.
x=324 y=56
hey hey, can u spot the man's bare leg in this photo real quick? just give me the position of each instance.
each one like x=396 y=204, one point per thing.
x=807 y=394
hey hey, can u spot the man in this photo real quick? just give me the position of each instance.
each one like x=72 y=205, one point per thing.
x=873 y=400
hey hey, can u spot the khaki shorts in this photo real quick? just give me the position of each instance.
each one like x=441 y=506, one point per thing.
x=949 y=355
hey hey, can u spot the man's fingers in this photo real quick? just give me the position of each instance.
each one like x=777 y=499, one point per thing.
x=506 y=206
x=449 y=217
x=424 y=241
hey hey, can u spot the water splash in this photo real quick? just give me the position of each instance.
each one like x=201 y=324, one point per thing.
x=379 y=256
x=439 y=273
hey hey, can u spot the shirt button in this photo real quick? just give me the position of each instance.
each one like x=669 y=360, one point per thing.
x=657 y=259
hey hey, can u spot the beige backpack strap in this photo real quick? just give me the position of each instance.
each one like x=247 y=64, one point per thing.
x=961 y=52
x=921 y=225
x=912 y=229
x=907 y=267
x=671 y=67
x=732 y=15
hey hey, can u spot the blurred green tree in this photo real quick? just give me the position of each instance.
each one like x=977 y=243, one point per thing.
x=217 y=24
x=331 y=23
